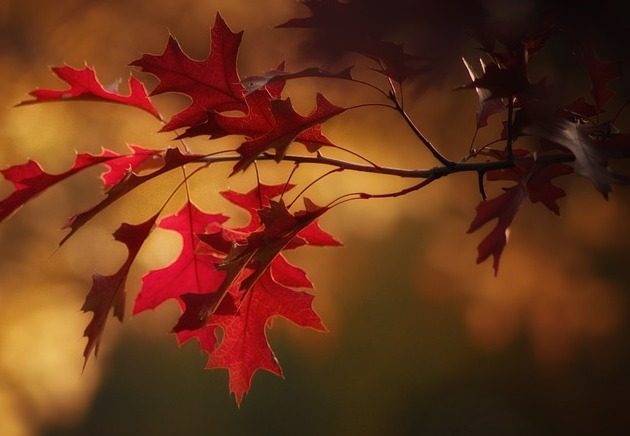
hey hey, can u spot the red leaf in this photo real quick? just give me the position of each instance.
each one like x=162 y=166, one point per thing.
x=259 y=198
x=269 y=124
x=212 y=84
x=254 y=200
x=29 y=179
x=172 y=159
x=121 y=167
x=85 y=86
x=282 y=272
x=282 y=129
x=248 y=260
x=191 y=272
x=532 y=179
x=286 y=274
x=504 y=208
x=244 y=348
x=108 y=292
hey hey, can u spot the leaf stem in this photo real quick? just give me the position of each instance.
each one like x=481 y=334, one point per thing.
x=366 y=196
x=286 y=184
x=368 y=84
x=335 y=170
x=510 y=129
x=358 y=155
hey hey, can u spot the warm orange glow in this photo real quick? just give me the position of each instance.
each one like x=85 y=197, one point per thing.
x=560 y=287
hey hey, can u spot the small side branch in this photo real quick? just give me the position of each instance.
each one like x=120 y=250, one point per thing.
x=482 y=189
x=510 y=129
x=434 y=151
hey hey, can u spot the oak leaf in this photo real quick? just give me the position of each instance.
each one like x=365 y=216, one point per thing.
x=212 y=84
x=533 y=180
x=108 y=292
x=85 y=86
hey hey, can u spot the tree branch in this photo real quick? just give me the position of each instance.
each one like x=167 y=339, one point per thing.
x=434 y=151
x=435 y=172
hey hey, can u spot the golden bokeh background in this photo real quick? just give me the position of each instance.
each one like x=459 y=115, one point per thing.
x=422 y=341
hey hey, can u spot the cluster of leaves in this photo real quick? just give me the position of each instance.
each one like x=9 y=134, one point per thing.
x=236 y=280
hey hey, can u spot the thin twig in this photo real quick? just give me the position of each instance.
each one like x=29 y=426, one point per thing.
x=354 y=153
x=258 y=190
x=286 y=184
x=336 y=170
x=366 y=196
x=434 y=151
x=510 y=132
x=482 y=189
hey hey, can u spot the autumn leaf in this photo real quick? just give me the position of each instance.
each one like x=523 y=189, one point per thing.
x=269 y=124
x=192 y=271
x=173 y=158
x=85 y=86
x=499 y=82
x=591 y=154
x=254 y=200
x=244 y=348
x=247 y=260
x=487 y=104
x=212 y=84
x=108 y=292
x=261 y=197
x=284 y=127
x=533 y=180
x=246 y=280
x=29 y=179
x=121 y=167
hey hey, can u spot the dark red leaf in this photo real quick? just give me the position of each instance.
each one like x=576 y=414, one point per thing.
x=259 y=198
x=284 y=127
x=212 y=84
x=254 y=200
x=487 y=105
x=269 y=124
x=500 y=82
x=108 y=292
x=533 y=180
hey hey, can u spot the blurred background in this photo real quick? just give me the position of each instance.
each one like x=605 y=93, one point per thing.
x=422 y=340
